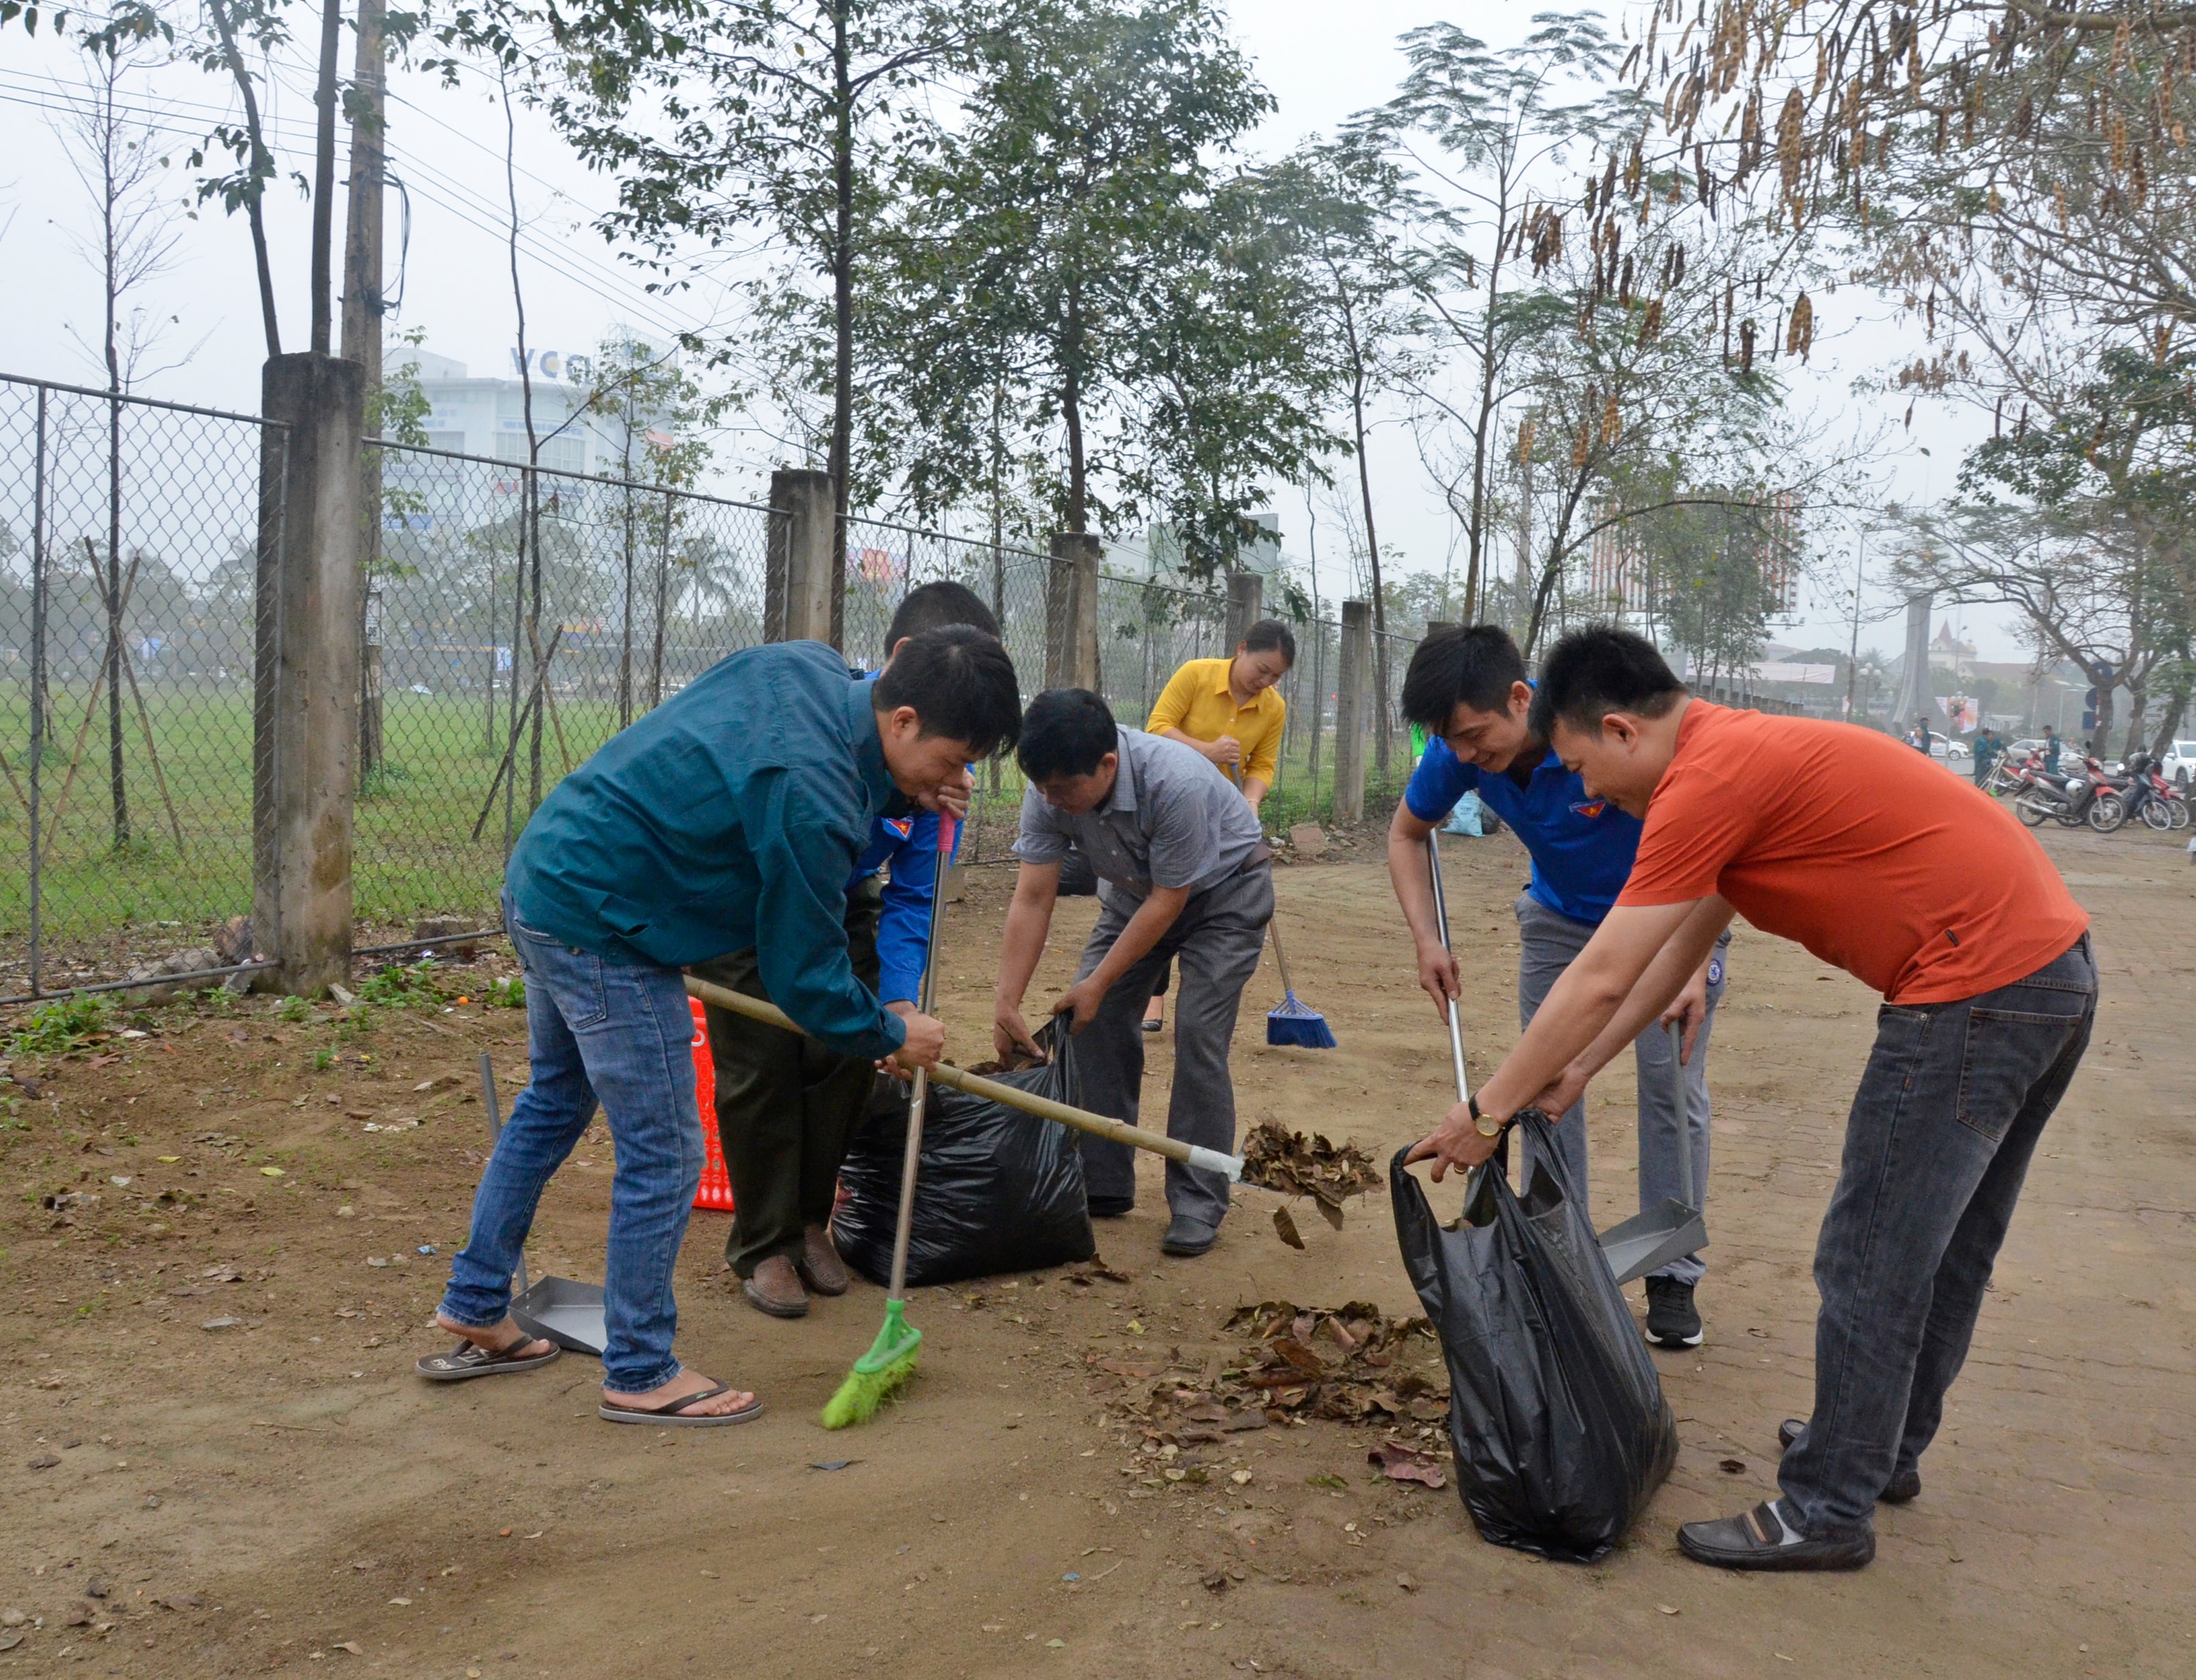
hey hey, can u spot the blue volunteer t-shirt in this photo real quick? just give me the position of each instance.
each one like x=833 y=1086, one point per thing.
x=1581 y=849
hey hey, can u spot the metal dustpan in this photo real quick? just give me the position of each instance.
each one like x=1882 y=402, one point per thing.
x=566 y=1313
x=1652 y=1239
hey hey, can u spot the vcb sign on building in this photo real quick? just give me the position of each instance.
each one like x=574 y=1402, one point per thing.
x=573 y=370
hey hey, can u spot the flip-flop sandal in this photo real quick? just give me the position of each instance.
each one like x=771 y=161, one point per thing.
x=675 y=1415
x=470 y=1359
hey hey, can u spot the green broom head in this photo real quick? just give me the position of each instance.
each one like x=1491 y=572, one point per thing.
x=878 y=1373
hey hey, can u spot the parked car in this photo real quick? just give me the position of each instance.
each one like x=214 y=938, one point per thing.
x=2178 y=765
x=1948 y=746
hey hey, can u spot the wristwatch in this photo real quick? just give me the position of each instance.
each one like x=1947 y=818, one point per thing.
x=1487 y=1129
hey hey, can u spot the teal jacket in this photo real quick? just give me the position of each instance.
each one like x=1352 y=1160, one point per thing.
x=730 y=818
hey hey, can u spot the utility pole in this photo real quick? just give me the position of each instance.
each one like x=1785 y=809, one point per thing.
x=1853 y=656
x=362 y=335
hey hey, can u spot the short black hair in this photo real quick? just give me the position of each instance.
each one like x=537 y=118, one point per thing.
x=960 y=684
x=1474 y=666
x=1067 y=732
x=933 y=606
x=1599 y=669
x=1270 y=635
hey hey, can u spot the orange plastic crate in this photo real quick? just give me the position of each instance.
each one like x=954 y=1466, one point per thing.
x=715 y=1190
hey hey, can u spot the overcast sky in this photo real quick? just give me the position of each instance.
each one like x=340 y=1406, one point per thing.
x=1322 y=62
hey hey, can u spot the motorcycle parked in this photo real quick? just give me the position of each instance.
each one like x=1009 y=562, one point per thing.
x=2083 y=796
x=2152 y=797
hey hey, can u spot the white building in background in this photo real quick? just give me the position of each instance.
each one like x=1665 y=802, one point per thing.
x=470 y=415
x=1158 y=558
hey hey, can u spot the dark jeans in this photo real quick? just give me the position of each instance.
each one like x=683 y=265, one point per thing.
x=1950 y=1107
x=787 y=1108
x=621 y=1033
x=1218 y=938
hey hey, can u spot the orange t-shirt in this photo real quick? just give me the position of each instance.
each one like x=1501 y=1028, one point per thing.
x=1869 y=854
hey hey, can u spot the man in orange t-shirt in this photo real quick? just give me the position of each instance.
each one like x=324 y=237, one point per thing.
x=1871 y=857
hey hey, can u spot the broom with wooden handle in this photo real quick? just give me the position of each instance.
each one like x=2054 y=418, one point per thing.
x=975 y=1085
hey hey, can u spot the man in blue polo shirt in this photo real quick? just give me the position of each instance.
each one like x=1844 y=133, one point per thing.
x=1467 y=688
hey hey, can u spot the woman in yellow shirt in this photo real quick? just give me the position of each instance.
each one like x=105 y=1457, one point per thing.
x=1230 y=710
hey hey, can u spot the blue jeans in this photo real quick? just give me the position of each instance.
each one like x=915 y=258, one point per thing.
x=1950 y=1107
x=621 y=1033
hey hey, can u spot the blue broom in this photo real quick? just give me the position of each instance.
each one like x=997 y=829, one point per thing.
x=1294 y=1022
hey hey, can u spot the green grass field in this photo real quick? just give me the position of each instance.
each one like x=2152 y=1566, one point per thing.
x=414 y=852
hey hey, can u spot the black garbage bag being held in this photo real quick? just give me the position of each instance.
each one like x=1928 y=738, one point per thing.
x=997 y=1190
x=1561 y=1431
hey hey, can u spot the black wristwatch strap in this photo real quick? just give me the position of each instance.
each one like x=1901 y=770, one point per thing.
x=1471 y=1107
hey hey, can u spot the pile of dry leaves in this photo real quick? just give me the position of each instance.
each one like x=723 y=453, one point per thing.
x=1351 y=1365
x=1276 y=1158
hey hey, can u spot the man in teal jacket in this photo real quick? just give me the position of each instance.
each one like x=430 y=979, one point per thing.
x=730 y=818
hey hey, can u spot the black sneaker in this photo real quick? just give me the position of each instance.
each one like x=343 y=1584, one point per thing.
x=1671 y=1320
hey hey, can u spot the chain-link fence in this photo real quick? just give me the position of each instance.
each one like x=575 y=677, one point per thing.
x=129 y=541
x=514 y=619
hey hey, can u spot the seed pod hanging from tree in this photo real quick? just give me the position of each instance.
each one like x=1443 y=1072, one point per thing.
x=1609 y=423
x=1650 y=324
x=1525 y=431
x=1799 y=329
x=1582 y=445
x=1792 y=141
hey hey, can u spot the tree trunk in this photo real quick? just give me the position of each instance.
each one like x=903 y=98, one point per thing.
x=1071 y=412
x=262 y=167
x=2169 y=715
x=1372 y=554
x=324 y=178
x=1474 y=571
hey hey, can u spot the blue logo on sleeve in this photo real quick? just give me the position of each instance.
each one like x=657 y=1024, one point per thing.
x=1589 y=809
x=1715 y=971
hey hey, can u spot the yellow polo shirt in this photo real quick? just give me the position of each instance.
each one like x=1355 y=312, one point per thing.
x=1198 y=701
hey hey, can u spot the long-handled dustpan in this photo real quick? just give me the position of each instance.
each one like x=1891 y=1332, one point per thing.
x=566 y=1313
x=1653 y=1239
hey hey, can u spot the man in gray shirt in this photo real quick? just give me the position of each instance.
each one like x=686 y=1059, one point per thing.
x=1184 y=875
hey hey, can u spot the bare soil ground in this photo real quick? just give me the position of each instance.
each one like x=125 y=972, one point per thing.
x=280 y=1495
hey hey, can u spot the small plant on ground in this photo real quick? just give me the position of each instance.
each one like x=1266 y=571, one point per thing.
x=293 y=1009
x=507 y=994
x=405 y=986
x=54 y=1029
x=323 y=1060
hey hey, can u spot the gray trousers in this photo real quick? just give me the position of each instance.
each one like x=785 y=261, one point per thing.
x=1549 y=942
x=1216 y=941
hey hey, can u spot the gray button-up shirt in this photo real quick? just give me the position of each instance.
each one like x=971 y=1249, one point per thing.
x=1172 y=820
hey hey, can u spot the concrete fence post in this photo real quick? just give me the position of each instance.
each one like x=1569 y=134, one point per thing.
x=1349 y=711
x=799 y=566
x=305 y=676
x=1435 y=626
x=1071 y=612
x=1246 y=605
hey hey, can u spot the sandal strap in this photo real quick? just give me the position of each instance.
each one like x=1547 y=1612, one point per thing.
x=677 y=1405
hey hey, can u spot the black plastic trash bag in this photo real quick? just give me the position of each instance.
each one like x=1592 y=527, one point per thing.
x=1561 y=1431
x=997 y=1190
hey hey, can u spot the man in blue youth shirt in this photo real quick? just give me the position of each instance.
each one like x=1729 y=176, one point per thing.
x=1467 y=688
x=729 y=819
x=788 y=1107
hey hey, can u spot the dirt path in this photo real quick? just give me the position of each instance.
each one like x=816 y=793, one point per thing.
x=280 y=1495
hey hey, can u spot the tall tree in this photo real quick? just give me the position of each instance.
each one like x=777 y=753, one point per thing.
x=1042 y=231
x=722 y=118
x=1486 y=126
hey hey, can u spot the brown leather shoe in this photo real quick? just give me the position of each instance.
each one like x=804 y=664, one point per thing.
x=775 y=1289
x=819 y=1265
